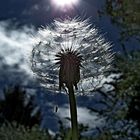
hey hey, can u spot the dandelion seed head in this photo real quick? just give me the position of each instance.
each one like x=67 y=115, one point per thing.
x=71 y=51
x=69 y=62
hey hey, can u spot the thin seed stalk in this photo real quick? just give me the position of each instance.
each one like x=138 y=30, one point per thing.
x=73 y=113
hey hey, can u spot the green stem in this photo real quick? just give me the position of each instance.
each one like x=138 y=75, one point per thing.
x=73 y=112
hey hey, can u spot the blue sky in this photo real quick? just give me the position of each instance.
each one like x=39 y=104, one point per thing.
x=42 y=12
x=34 y=13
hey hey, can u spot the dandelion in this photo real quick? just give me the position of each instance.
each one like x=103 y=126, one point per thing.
x=70 y=56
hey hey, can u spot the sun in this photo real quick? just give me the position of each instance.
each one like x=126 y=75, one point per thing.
x=63 y=3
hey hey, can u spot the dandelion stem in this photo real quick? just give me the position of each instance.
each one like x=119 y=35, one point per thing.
x=73 y=112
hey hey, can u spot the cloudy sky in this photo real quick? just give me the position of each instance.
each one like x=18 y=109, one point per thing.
x=20 y=20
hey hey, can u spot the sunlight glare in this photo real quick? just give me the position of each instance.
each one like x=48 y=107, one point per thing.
x=63 y=3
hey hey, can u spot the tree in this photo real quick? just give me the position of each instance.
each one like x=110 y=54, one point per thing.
x=126 y=15
x=12 y=108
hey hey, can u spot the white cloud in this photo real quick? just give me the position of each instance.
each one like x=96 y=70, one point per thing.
x=84 y=116
x=16 y=45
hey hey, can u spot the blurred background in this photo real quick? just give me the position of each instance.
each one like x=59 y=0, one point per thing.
x=113 y=111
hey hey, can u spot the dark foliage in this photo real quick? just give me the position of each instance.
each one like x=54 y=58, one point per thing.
x=14 y=109
x=130 y=85
x=134 y=109
x=125 y=13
